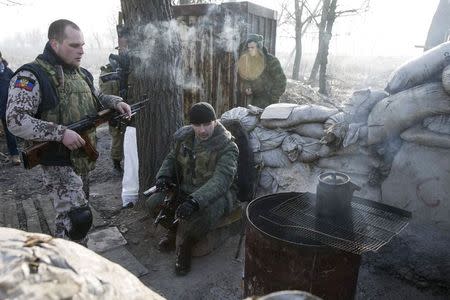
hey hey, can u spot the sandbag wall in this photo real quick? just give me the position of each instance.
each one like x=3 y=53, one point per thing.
x=417 y=112
x=294 y=143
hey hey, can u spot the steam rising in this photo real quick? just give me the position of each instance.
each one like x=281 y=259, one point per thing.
x=196 y=35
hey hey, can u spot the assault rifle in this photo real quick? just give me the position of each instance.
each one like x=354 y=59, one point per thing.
x=168 y=206
x=32 y=156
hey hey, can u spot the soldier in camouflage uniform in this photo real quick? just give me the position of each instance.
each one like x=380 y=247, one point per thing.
x=202 y=164
x=44 y=97
x=267 y=87
x=109 y=83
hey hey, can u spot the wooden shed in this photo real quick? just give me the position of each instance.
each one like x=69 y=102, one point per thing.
x=211 y=35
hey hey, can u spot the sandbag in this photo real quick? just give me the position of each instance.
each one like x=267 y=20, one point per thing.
x=255 y=145
x=446 y=79
x=396 y=113
x=338 y=118
x=355 y=132
x=420 y=69
x=242 y=114
x=313 y=152
x=358 y=107
x=274 y=158
x=352 y=164
x=304 y=149
x=301 y=114
x=425 y=137
x=37 y=266
x=419 y=182
x=269 y=139
x=293 y=145
x=298 y=177
x=439 y=124
x=314 y=130
x=267 y=182
x=335 y=129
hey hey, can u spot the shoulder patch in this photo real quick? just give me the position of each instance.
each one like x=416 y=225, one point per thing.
x=25 y=83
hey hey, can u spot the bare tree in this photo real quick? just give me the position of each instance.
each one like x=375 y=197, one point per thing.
x=155 y=48
x=328 y=16
x=300 y=28
x=302 y=17
x=298 y=38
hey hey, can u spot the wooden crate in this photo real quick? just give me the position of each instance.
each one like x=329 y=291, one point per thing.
x=211 y=36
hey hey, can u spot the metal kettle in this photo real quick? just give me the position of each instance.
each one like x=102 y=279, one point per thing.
x=334 y=194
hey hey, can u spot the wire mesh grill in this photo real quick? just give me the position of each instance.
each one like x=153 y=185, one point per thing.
x=368 y=226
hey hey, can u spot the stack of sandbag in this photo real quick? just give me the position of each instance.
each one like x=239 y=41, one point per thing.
x=418 y=112
x=346 y=135
x=285 y=138
x=418 y=89
x=291 y=150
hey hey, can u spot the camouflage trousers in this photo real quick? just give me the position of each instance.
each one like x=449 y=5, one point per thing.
x=117 y=136
x=65 y=189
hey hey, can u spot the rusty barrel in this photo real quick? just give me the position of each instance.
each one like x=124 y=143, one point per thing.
x=274 y=261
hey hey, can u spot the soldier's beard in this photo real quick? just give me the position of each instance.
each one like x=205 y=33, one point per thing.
x=204 y=137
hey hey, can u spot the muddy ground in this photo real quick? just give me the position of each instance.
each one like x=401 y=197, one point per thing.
x=414 y=265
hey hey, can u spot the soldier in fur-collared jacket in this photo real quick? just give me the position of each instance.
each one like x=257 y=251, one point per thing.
x=202 y=164
x=262 y=78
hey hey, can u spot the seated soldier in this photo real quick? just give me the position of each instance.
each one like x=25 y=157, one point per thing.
x=200 y=167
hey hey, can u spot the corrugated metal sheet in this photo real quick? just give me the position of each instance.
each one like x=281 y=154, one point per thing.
x=211 y=36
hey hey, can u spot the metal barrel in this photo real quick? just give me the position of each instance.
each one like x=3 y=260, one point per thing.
x=274 y=263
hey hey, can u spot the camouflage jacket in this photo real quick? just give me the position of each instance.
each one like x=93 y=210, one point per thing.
x=24 y=114
x=204 y=169
x=109 y=80
x=270 y=85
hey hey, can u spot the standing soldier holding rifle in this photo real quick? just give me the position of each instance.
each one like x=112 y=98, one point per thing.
x=47 y=95
x=114 y=81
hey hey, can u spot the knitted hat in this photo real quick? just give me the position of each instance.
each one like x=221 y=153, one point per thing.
x=202 y=112
x=257 y=38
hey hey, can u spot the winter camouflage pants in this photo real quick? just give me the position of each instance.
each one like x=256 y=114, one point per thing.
x=65 y=189
x=117 y=136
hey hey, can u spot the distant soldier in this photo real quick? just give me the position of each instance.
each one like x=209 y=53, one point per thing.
x=201 y=167
x=114 y=81
x=11 y=142
x=263 y=79
x=47 y=95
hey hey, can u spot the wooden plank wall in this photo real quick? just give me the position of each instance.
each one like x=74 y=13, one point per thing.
x=210 y=72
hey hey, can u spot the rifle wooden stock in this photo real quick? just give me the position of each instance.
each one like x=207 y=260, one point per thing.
x=89 y=149
x=32 y=156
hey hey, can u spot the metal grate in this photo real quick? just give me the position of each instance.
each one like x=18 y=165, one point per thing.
x=369 y=226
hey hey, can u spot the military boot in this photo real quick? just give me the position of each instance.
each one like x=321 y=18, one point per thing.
x=183 y=258
x=167 y=242
x=117 y=166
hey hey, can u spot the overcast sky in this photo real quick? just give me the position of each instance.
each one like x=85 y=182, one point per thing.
x=391 y=27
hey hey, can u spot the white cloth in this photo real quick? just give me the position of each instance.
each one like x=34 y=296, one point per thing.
x=130 y=180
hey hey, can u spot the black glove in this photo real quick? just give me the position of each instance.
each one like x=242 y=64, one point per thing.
x=163 y=183
x=186 y=209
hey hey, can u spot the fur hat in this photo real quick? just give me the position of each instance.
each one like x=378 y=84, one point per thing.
x=257 y=38
x=202 y=112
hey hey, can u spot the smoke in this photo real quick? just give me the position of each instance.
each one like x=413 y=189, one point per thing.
x=194 y=39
